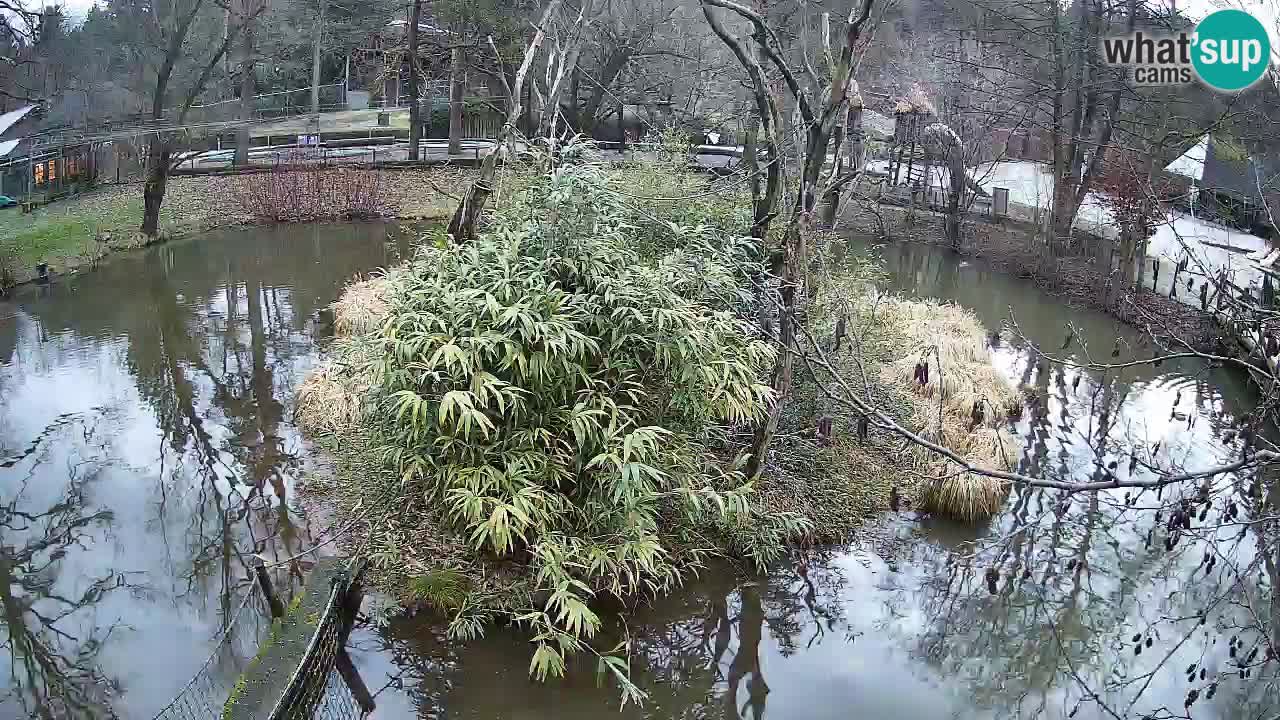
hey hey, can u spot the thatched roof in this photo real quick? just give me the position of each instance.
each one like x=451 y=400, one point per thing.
x=915 y=101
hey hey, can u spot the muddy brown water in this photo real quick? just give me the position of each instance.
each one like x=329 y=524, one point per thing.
x=145 y=425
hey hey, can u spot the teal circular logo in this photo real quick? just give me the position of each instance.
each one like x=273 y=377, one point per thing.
x=1232 y=50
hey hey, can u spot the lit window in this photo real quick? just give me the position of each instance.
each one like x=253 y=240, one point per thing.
x=53 y=170
x=39 y=171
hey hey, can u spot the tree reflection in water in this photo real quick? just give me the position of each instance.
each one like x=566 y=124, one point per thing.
x=698 y=654
x=50 y=636
x=196 y=346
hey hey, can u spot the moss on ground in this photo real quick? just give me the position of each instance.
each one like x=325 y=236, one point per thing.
x=839 y=485
x=242 y=682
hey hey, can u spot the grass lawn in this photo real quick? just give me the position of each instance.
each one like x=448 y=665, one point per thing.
x=64 y=233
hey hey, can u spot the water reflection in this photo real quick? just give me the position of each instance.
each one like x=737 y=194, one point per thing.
x=1090 y=606
x=146 y=452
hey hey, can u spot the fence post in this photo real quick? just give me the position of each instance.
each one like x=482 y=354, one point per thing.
x=346 y=668
x=355 y=683
x=264 y=581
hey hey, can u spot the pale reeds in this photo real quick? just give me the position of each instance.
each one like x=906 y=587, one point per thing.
x=331 y=400
x=964 y=405
x=363 y=307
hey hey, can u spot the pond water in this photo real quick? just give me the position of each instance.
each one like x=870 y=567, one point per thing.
x=159 y=390
x=146 y=453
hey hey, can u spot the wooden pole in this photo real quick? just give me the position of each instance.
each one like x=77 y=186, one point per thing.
x=264 y=582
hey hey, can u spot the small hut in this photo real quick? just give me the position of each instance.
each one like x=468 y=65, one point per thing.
x=911 y=114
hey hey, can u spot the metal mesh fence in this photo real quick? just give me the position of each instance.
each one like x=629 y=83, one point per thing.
x=205 y=695
x=338 y=702
x=317 y=688
x=324 y=683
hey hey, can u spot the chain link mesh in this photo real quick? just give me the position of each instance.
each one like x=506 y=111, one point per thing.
x=205 y=695
x=316 y=690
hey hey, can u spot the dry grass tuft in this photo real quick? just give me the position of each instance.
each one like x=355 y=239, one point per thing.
x=363 y=307
x=331 y=401
x=961 y=377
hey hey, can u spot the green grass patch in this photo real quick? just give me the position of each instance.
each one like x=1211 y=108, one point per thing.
x=65 y=234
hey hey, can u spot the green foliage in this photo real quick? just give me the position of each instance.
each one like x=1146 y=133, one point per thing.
x=552 y=394
x=442 y=589
x=8 y=269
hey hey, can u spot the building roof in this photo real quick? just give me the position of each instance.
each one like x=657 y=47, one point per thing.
x=7 y=146
x=1190 y=163
x=1227 y=172
x=12 y=117
x=1221 y=166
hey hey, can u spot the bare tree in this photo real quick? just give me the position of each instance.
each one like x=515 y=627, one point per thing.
x=462 y=227
x=820 y=108
x=245 y=12
x=172 y=25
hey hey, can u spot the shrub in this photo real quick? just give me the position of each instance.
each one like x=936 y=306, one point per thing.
x=553 y=396
x=306 y=192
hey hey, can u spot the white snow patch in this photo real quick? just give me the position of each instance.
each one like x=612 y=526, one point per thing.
x=1191 y=163
x=10 y=118
x=1208 y=246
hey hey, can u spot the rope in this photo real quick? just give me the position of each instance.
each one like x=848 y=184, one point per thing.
x=330 y=541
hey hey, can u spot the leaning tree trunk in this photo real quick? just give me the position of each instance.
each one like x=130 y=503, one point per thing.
x=831 y=198
x=462 y=227
x=850 y=134
x=157 y=177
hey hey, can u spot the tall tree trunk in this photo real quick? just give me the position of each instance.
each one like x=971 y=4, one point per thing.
x=457 y=82
x=831 y=199
x=751 y=164
x=159 y=149
x=791 y=263
x=248 y=84
x=157 y=177
x=315 y=64
x=571 y=113
x=415 y=111
x=617 y=61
